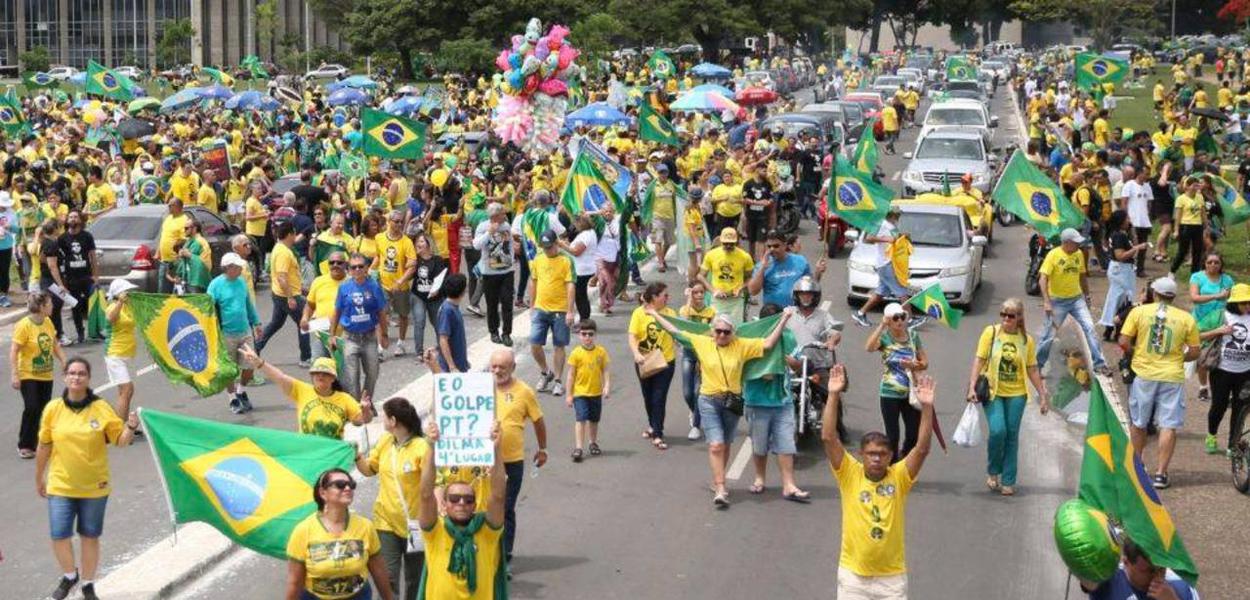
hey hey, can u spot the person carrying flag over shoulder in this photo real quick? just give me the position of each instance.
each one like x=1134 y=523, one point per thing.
x=888 y=285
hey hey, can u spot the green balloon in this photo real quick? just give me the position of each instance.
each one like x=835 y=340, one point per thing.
x=1085 y=541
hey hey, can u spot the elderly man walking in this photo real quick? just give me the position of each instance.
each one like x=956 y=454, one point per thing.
x=239 y=322
x=360 y=317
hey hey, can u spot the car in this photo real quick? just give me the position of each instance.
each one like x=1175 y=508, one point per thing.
x=127 y=241
x=960 y=112
x=327 y=71
x=130 y=71
x=762 y=79
x=987 y=83
x=871 y=102
x=980 y=212
x=996 y=69
x=945 y=154
x=830 y=130
x=178 y=72
x=62 y=73
x=886 y=85
x=854 y=129
x=472 y=140
x=915 y=79
x=944 y=252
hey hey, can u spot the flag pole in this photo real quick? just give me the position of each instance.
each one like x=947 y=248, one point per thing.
x=833 y=176
x=169 y=501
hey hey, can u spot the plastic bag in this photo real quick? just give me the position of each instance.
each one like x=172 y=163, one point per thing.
x=968 y=434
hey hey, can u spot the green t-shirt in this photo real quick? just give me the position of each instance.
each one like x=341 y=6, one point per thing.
x=895 y=380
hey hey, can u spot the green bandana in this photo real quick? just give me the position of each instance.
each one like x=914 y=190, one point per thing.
x=463 y=561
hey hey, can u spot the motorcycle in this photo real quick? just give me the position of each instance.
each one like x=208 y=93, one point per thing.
x=1038 y=247
x=810 y=397
x=788 y=214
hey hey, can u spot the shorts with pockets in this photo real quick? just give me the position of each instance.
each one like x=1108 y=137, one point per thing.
x=1165 y=399
x=87 y=512
x=399 y=303
x=234 y=342
x=587 y=408
x=541 y=321
x=888 y=285
x=771 y=429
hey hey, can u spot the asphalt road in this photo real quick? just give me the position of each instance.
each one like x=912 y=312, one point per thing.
x=637 y=522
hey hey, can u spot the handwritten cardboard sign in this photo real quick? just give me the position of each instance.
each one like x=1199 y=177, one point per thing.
x=464 y=404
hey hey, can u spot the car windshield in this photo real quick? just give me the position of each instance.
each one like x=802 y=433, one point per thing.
x=123 y=227
x=963 y=85
x=955 y=116
x=950 y=148
x=932 y=229
x=888 y=82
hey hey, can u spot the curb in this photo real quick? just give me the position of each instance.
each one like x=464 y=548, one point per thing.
x=160 y=570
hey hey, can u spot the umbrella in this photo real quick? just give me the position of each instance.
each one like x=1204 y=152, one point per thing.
x=183 y=99
x=79 y=79
x=216 y=92
x=347 y=96
x=136 y=106
x=599 y=114
x=755 y=95
x=286 y=94
x=82 y=102
x=405 y=105
x=703 y=102
x=132 y=128
x=713 y=87
x=408 y=89
x=1210 y=113
x=359 y=82
x=711 y=71
x=250 y=100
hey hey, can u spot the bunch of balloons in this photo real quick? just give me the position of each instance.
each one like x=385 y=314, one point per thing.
x=536 y=70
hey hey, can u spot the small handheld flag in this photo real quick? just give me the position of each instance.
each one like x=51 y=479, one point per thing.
x=932 y=303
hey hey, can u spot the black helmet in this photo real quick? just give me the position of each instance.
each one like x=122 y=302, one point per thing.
x=806 y=285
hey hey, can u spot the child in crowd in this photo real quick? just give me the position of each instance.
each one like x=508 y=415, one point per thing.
x=588 y=383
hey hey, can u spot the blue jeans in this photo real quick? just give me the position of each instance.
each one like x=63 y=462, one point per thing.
x=655 y=397
x=1004 y=414
x=1122 y=278
x=516 y=476
x=1079 y=311
x=719 y=425
x=280 y=314
x=360 y=363
x=422 y=311
x=64 y=511
x=690 y=380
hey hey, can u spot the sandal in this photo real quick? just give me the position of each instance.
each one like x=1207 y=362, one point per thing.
x=1008 y=491
x=594 y=449
x=992 y=483
x=577 y=455
x=800 y=496
x=648 y=433
x=659 y=444
x=25 y=453
x=756 y=488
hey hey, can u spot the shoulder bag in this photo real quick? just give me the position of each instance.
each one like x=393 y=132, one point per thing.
x=732 y=402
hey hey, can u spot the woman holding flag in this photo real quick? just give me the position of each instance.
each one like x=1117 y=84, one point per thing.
x=322 y=408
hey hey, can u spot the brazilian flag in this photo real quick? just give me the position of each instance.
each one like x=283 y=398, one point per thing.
x=252 y=484
x=767 y=370
x=149 y=190
x=354 y=166
x=218 y=76
x=866 y=156
x=1093 y=70
x=104 y=82
x=587 y=189
x=1114 y=481
x=254 y=66
x=97 y=320
x=534 y=221
x=184 y=339
x=958 y=68
x=932 y=303
x=322 y=249
x=12 y=121
x=1025 y=191
x=34 y=80
x=856 y=198
x=653 y=127
x=391 y=136
x=323 y=337
x=1232 y=203
x=661 y=66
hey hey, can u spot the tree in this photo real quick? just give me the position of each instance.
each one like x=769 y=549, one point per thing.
x=1236 y=11
x=598 y=35
x=35 y=59
x=466 y=55
x=266 y=16
x=174 y=45
x=1104 y=18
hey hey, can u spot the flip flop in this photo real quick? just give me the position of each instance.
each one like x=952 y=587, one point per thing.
x=647 y=434
x=756 y=488
x=802 y=497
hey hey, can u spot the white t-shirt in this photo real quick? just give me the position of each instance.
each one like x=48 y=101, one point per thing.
x=610 y=242
x=584 y=264
x=119 y=191
x=1235 y=355
x=883 y=248
x=1139 y=197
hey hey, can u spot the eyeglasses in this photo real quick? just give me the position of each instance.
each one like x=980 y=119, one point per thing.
x=723 y=331
x=589 y=333
x=355 y=267
x=461 y=499
x=337 y=263
x=341 y=484
x=1008 y=315
x=898 y=317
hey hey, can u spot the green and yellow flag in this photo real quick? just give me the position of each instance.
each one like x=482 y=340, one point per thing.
x=391 y=136
x=653 y=127
x=12 y=120
x=37 y=79
x=250 y=483
x=1114 y=481
x=254 y=66
x=586 y=189
x=856 y=198
x=1093 y=70
x=932 y=303
x=184 y=339
x=323 y=337
x=354 y=166
x=661 y=66
x=97 y=320
x=218 y=75
x=104 y=82
x=1232 y=203
x=958 y=68
x=1025 y=191
x=771 y=366
x=866 y=150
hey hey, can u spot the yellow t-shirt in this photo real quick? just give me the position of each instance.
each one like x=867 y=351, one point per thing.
x=725 y=374
x=1006 y=367
x=172 y=231
x=1200 y=99
x=1188 y=136
x=322 y=415
x=663 y=203
x=100 y=197
x=649 y=333
x=1224 y=98
x=1159 y=355
x=443 y=584
x=321 y=294
x=395 y=257
x=889 y=119
x=34 y=349
x=181 y=187
x=728 y=200
x=694 y=223
x=727 y=271
x=283 y=261
x=698 y=315
x=397 y=467
x=1190 y=209
x=1101 y=131
x=255 y=225
x=1064 y=272
x=873 y=518
x=121 y=339
x=515 y=404
x=336 y=566
x=207 y=197
x=551 y=276
x=589 y=365
x=79 y=465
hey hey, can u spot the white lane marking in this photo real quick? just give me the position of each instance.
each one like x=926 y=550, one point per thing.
x=896 y=175
x=740 y=460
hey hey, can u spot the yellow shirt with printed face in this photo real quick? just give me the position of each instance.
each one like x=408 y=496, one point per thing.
x=1063 y=271
x=698 y=315
x=589 y=366
x=398 y=468
x=650 y=334
x=79 y=465
x=721 y=366
x=35 y=343
x=394 y=256
x=121 y=339
x=513 y=406
x=874 y=519
x=336 y=566
x=1007 y=365
x=727 y=271
x=552 y=276
x=444 y=585
x=1159 y=350
x=322 y=415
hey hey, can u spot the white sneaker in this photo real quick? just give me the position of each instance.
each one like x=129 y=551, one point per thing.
x=381 y=353
x=399 y=348
x=544 y=382
x=695 y=433
x=557 y=389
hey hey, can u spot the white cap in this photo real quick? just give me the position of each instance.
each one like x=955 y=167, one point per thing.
x=6 y=201
x=1165 y=286
x=232 y=259
x=894 y=308
x=1071 y=235
x=119 y=287
x=147 y=166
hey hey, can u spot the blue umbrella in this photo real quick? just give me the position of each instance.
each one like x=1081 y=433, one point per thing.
x=711 y=71
x=599 y=114
x=184 y=99
x=79 y=79
x=248 y=100
x=405 y=105
x=216 y=92
x=360 y=82
x=713 y=87
x=347 y=96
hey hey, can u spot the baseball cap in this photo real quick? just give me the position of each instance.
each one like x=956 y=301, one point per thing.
x=323 y=365
x=894 y=308
x=230 y=259
x=728 y=235
x=119 y=287
x=1071 y=235
x=696 y=193
x=548 y=239
x=1165 y=286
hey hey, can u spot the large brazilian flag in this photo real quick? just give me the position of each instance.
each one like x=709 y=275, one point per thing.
x=587 y=189
x=250 y=483
x=1028 y=193
x=391 y=136
x=856 y=198
x=184 y=339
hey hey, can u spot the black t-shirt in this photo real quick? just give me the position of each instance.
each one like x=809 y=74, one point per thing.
x=49 y=248
x=1120 y=241
x=427 y=270
x=1243 y=169
x=1163 y=202
x=310 y=194
x=757 y=190
x=76 y=250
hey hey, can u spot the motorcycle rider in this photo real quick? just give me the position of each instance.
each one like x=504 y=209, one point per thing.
x=816 y=337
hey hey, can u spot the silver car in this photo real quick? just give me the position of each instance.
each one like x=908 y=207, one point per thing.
x=127 y=242
x=943 y=156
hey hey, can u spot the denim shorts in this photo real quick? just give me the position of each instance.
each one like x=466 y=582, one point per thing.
x=771 y=429
x=718 y=424
x=63 y=511
x=1169 y=398
x=541 y=321
x=587 y=408
x=888 y=285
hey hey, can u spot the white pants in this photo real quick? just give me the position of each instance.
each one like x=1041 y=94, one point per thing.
x=855 y=587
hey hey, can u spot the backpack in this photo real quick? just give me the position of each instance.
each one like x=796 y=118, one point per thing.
x=1094 y=210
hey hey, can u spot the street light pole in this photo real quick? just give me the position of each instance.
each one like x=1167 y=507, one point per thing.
x=1173 y=20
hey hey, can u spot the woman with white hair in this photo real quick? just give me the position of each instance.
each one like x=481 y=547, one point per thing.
x=496 y=264
x=722 y=356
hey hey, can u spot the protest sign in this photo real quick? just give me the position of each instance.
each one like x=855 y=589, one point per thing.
x=464 y=404
x=217 y=158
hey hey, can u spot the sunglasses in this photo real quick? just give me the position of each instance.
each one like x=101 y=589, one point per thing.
x=898 y=318
x=341 y=484
x=1008 y=315
x=337 y=263
x=355 y=267
x=587 y=332
x=461 y=499
x=723 y=331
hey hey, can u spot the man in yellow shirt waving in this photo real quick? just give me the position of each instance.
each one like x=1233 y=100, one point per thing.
x=1065 y=292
